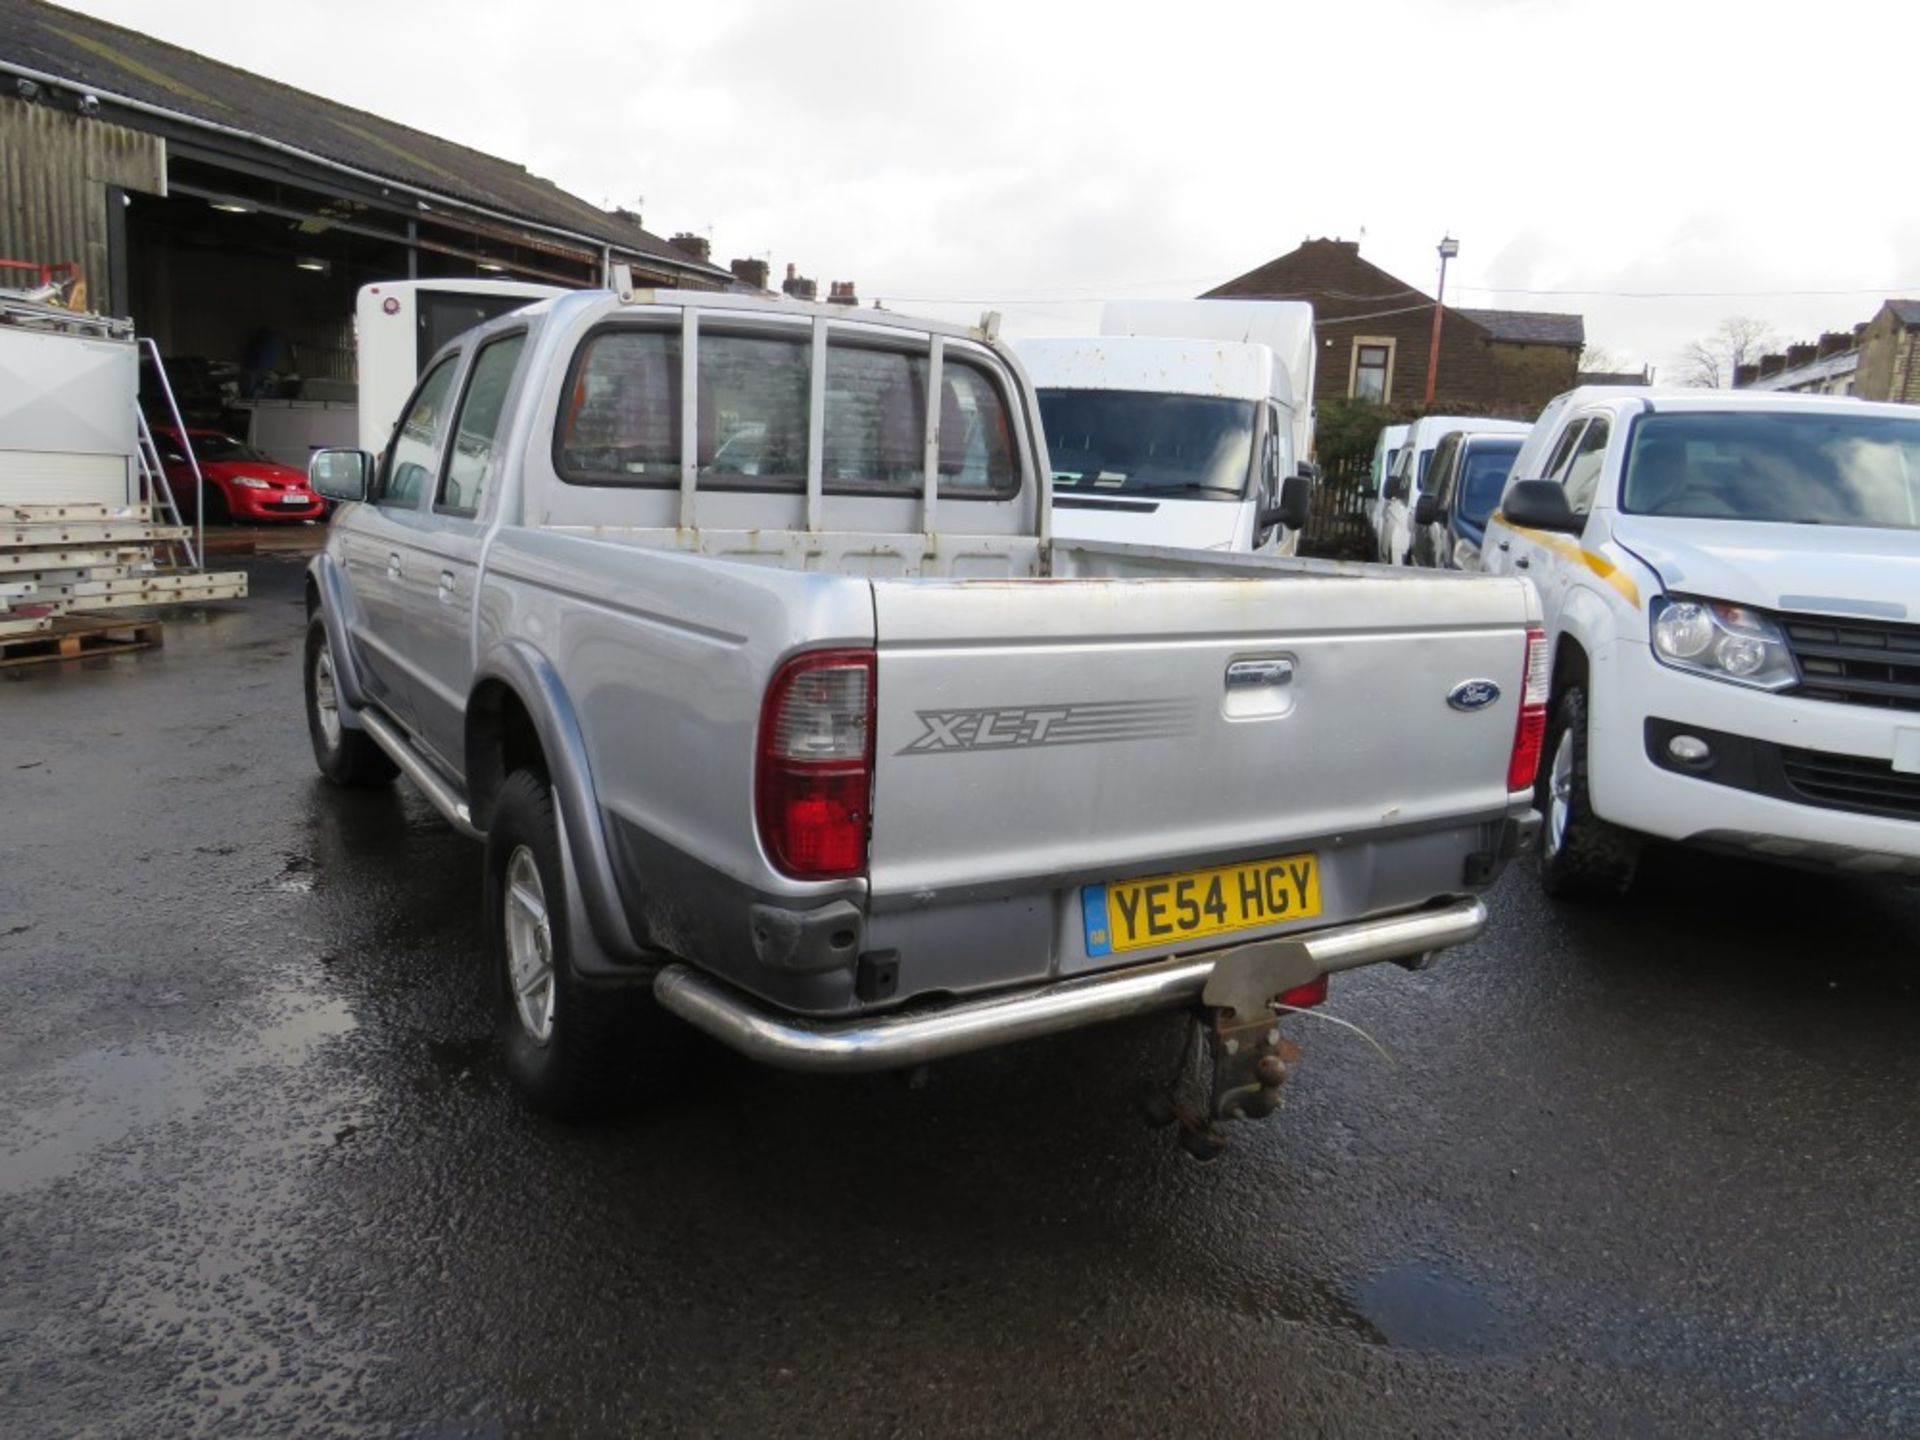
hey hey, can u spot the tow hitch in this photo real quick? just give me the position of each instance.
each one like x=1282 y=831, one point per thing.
x=1237 y=1024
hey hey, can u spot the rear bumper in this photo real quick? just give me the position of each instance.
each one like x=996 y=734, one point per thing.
x=921 y=1034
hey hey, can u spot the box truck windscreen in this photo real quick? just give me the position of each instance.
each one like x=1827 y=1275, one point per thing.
x=1135 y=442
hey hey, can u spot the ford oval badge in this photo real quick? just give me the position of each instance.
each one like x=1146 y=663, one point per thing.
x=1473 y=695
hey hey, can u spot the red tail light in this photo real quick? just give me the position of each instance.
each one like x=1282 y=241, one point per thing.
x=813 y=777
x=1531 y=730
x=1305 y=997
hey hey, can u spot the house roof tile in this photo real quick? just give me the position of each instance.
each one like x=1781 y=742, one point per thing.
x=1530 y=327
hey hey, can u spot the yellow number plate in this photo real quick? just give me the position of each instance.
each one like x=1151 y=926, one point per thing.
x=1168 y=909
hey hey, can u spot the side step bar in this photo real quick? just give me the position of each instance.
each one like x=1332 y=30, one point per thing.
x=416 y=769
x=915 y=1036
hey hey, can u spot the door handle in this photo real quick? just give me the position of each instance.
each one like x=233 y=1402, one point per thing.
x=1506 y=545
x=393 y=567
x=1244 y=674
x=1523 y=563
x=446 y=585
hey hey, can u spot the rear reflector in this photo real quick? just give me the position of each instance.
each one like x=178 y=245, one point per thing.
x=813 y=776
x=1531 y=730
x=1305 y=997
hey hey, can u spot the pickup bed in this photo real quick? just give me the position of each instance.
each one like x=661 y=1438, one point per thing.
x=733 y=627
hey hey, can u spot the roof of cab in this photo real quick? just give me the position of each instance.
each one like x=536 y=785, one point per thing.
x=717 y=302
x=1679 y=397
x=1228 y=369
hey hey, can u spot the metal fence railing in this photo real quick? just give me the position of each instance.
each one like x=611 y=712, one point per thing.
x=1339 y=527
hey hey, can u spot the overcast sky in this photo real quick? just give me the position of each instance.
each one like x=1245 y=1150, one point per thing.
x=1033 y=157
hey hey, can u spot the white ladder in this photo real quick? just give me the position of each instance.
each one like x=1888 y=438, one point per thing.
x=154 y=473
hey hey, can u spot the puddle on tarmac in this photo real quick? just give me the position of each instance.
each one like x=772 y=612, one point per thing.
x=99 y=1098
x=1428 y=1307
x=296 y=877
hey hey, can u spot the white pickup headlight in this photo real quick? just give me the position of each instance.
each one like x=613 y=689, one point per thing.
x=1726 y=642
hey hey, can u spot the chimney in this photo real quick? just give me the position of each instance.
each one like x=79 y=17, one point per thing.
x=1772 y=365
x=798 y=287
x=1860 y=332
x=1834 y=342
x=1798 y=355
x=750 y=272
x=840 y=292
x=688 y=243
x=1745 y=375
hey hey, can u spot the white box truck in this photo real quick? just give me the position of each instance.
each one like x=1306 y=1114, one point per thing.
x=1184 y=424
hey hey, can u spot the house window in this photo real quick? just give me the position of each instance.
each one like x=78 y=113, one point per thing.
x=1372 y=373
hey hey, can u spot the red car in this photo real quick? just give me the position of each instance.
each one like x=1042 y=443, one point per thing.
x=242 y=484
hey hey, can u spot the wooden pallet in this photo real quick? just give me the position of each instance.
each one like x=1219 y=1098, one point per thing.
x=79 y=637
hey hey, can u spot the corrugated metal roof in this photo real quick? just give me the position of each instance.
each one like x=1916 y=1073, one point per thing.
x=1529 y=327
x=85 y=51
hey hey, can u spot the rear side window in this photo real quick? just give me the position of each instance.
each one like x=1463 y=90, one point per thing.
x=471 y=453
x=620 y=422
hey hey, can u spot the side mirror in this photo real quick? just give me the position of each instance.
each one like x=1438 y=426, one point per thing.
x=1540 y=505
x=1427 y=511
x=340 y=474
x=1294 y=509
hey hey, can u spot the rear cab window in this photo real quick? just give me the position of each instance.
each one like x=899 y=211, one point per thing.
x=621 y=415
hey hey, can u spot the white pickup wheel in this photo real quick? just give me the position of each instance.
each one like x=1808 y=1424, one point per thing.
x=1581 y=855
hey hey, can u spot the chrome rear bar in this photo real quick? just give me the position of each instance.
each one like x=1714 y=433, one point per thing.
x=915 y=1036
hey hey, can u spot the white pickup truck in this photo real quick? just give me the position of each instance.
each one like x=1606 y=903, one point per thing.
x=732 y=626
x=1732 y=590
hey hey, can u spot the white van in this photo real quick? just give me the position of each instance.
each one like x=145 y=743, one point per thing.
x=1386 y=449
x=1407 y=479
x=401 y=324
x=1179 y=443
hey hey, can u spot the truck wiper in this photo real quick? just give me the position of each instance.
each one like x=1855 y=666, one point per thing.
x=1190 y=488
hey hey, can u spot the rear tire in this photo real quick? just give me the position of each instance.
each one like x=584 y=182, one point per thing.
x=346 y=757
x=571 y=1049
x=1582 y=857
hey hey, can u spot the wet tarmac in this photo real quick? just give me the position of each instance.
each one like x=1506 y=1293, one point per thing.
x=1651 y=1169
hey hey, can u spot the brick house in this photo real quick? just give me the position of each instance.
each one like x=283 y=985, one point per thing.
x=1890 y=354
x=1375 y=332
x=1878 y=360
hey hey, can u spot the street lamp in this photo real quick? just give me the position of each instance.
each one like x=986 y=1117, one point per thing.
x=1449 y=247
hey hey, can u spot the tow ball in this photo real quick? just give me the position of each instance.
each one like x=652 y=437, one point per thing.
x=1246 y=1060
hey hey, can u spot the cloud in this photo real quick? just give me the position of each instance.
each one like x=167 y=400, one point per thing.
x=1031 y=155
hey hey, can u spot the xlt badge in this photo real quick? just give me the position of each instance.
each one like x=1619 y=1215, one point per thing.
x=1012 y=727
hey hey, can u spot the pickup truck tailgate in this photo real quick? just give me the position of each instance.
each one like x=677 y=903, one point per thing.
x=1064 y=730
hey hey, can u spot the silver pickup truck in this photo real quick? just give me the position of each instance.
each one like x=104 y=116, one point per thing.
x=733 y=627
